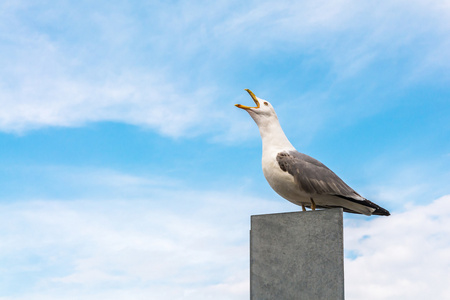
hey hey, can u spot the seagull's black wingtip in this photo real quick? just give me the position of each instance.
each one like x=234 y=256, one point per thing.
x=381 y=212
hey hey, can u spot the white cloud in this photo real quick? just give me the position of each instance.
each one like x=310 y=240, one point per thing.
x=404 y=256
x=106 y=64
x=187 y=244
x=53 y=97
x=135 y=249
x=49 y=81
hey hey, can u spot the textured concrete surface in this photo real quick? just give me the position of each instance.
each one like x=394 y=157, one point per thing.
x=297 y=256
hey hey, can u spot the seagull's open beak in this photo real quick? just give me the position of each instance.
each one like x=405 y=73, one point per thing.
x=254 y=99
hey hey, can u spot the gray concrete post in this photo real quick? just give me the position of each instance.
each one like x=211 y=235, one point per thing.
x=297 y=256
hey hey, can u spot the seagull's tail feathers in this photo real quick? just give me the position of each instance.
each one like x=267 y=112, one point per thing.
x=375 y=209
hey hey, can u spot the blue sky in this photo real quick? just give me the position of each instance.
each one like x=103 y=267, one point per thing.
x=127 y=173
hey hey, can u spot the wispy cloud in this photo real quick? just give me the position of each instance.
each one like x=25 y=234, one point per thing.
x=130 y=235
x=50 y=80
x=393 y=254
x=170 y=74
x=133 y=248
x=87 y=249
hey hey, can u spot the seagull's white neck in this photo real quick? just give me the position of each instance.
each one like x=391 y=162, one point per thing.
x=272 y=135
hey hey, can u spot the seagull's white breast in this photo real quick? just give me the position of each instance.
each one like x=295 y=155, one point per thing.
x=282 y=182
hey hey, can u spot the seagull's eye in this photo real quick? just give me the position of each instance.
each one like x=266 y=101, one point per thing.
x=266 y=104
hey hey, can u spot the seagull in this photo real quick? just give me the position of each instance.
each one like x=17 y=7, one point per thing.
x=297 y=177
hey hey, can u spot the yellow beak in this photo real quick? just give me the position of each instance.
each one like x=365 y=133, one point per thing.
x=254 y=99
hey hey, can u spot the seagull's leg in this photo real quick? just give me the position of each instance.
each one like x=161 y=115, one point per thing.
x=313 y=204
x=303 y=207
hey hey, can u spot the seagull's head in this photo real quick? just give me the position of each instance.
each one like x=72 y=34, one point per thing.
x=263 y=111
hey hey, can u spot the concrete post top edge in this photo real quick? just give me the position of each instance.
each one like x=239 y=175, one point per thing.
x=303 y=212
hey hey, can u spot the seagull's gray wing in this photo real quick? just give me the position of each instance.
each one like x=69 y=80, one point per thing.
x=314 y=177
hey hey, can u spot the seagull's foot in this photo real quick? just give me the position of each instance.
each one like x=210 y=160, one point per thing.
x=303 y=207
x=313 y=204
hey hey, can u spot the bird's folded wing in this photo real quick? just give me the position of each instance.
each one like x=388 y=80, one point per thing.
x=313 y=177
